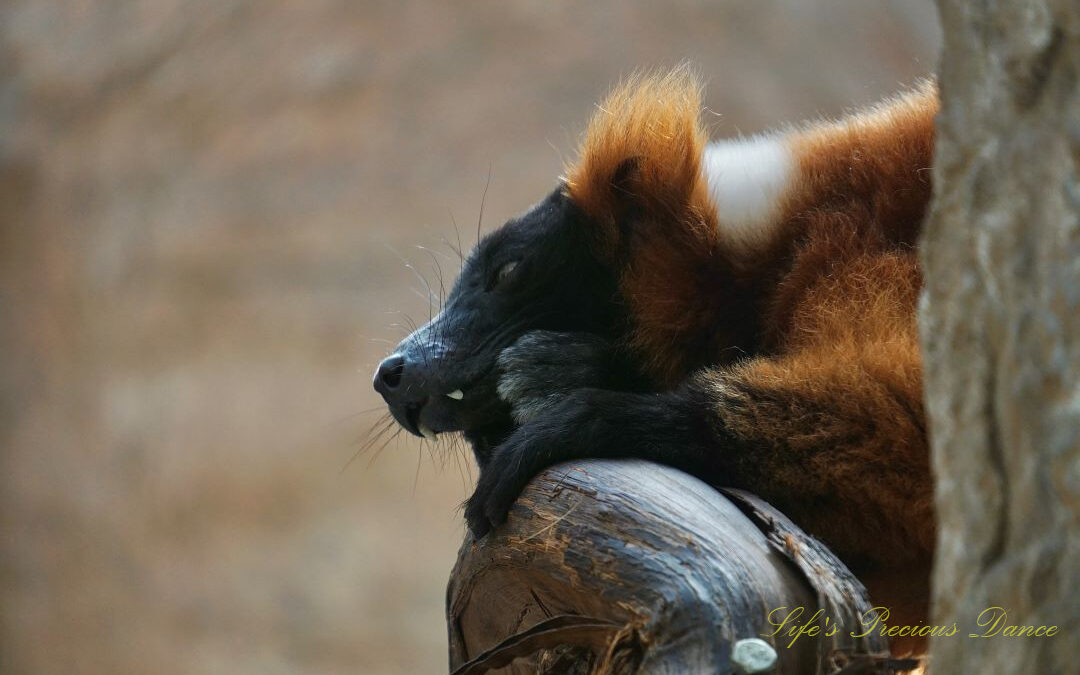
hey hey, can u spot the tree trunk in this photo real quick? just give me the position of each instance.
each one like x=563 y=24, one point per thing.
x=1000 y=321
x=627 y=566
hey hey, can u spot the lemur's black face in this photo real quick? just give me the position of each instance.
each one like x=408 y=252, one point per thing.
x=537 y=271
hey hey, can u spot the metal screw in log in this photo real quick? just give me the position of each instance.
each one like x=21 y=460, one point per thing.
x=630 y=567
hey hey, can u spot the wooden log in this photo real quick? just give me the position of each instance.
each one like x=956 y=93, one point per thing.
x=630 y=567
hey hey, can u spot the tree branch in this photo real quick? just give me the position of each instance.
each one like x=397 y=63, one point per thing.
x=627 y=566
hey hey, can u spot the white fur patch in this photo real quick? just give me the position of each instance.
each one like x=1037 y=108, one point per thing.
x=748 y=178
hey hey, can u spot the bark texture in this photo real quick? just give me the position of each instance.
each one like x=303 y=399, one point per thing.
x=1000 y=321
x=630 y=567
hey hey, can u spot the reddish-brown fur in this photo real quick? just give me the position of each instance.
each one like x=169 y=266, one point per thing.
x=807 y=343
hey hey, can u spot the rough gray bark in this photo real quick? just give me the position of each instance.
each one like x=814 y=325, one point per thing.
x=626 y=566
x=1000 y=322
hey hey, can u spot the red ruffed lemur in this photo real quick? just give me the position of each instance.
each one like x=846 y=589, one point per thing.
x=743 y=310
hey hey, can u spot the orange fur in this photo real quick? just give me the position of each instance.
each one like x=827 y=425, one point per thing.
x=808 y=342
x=640 y=161
x=643 y=149
x=838 y=414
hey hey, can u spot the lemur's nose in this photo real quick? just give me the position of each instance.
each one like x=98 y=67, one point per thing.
x=388 y=375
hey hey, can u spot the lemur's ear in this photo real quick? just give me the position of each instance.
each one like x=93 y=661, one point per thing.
x=641 y=155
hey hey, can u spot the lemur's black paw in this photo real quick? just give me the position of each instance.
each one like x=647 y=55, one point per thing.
x=581 y=424
x=542 y=366
x=500 y=483
x=478 y=523
x=552 y=437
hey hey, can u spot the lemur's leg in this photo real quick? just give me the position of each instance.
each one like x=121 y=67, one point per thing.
x=817 y=429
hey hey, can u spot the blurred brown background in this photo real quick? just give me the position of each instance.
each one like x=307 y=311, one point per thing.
x=202 y=208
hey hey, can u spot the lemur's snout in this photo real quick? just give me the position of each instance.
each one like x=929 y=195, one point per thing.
x=415 y=393
x=388 y=375
x=402 y=384
x=398 y=381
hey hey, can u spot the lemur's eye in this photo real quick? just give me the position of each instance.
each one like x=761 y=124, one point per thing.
x=505 y=271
